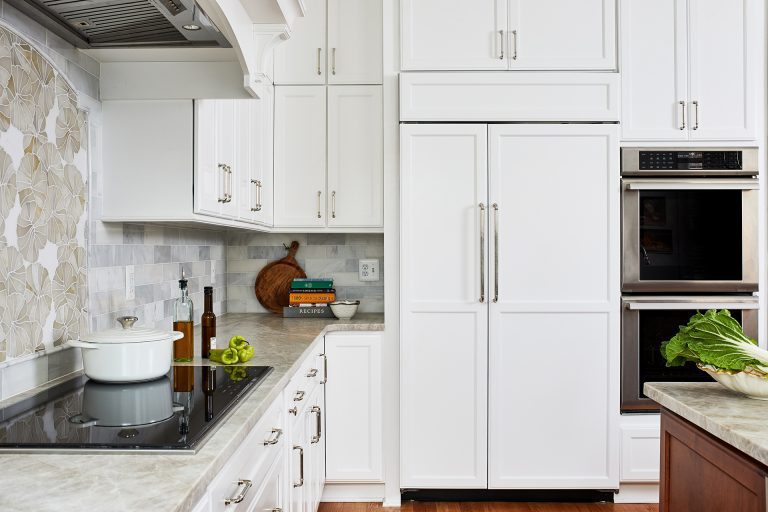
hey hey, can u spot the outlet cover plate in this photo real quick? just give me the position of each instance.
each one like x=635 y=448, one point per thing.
x=368 y=270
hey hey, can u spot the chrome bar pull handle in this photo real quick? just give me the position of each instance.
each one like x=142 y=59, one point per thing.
x=514 y=45
x=482 y=252
x=228 y=190
x=276 y=433
x=501 y=45
x=319 y=70
x=319 y=193
x=255 y=206
x=325 y=369
x=495 y=207
x=246 y=485
x=333 y=61
x=301 y=466
x=319 y=425
x=695 y=115
x=222 y=197
x=682 y=116
x=333 y=204
x=299 y=396
x=312 y=373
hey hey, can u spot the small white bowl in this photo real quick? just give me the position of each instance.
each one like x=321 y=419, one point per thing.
x=752 y=386
x=344 y=309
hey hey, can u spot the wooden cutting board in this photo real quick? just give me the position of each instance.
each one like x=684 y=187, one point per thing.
x=273 y=284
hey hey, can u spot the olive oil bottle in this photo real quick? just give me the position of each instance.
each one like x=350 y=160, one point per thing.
x=183 y=348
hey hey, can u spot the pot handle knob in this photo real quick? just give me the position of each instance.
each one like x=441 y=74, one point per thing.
x=127 y=321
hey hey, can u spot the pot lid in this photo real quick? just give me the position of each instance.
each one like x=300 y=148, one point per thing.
x=127 y=333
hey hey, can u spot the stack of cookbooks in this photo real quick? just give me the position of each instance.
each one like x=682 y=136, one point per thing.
x=310 y=297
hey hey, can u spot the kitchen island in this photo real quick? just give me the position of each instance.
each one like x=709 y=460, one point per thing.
x=714 y=448
x=174 y=481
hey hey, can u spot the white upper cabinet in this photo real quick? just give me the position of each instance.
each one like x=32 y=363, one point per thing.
x=453 y=34
x=654 y=68
x=355 y=156
x=723 y=58
x=355 y=41
x=338 y=42
x=508 y=34
x=300 y=140
x=217 y=190
x=253 y=149
x=688 y=69
x=562 y=34
x=301 y=59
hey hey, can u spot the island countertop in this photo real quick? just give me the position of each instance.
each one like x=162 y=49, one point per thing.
x=735 y=419
x=176 y=481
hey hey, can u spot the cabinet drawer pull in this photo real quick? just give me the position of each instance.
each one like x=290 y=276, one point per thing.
x=695 y=115
x=482 y=252
x=319 y=425
x=312 y=373
x=333 y=61
x=258 y=203
x=325 y=369
x=333 y=204
x=222 y=198
x=299 y=396
x=246 y=485
x=682 y=116
x=514 y=45
x=301 y=466
x=319 y=71
x=495 y=207
x=293 y=410
x=275 y=438
x=501 y=45
x=255 y=202
x=319 y=193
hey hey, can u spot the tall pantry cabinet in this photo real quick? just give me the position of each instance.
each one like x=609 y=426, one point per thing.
x=509 y=338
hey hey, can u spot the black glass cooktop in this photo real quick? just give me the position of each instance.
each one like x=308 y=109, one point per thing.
x=174 y=412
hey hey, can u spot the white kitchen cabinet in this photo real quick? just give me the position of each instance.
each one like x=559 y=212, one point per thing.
x=444 y=316
x=355 y=156
x=566 y=281
x=640 y=450
x=271 y=495
x=688 y=69
x=354 y=409
x=301 y=59
x=338 y=42
x=350 y=194
x=254 y=150
x=300 y=156
x=215 y=166
x=465 y=35
x=501 y=297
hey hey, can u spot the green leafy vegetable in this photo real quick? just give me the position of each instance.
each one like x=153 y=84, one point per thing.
x=716 y=339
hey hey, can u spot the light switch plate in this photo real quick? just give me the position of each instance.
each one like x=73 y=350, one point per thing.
x=130 y=282
x=369 y=270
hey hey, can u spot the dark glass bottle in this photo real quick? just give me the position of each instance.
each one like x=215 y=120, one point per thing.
x=183 y=348
x=208 y=322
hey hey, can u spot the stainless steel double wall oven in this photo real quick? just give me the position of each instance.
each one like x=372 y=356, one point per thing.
x=689 y=243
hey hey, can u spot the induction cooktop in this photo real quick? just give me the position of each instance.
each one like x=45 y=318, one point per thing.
x=172 y=414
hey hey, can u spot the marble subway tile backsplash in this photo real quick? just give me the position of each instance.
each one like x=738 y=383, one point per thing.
x=158 y=255
x=333 y=255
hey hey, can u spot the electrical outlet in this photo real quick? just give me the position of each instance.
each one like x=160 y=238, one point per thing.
x=213 y=272
x=369 y=270
x=130 y=282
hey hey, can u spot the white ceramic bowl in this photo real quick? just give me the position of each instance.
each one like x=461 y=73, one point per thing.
x=344 y=309
x=745 y=383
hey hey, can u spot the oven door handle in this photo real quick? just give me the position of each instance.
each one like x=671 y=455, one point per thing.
x=669 y=306
x=703 y=184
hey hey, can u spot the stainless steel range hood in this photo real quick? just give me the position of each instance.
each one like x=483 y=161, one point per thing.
x=125 y=23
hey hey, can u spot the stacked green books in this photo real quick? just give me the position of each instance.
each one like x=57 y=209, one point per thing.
x=309 y=298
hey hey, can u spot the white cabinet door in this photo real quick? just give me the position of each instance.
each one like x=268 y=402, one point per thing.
x=354 y=41
x=245 y=167
x=354 y=408
x=554 y=306
x=225 y=155
x=301 y=59
x=453 y=34
x=444 y=329
x=209 y=175
x=723 y=60
x=300 y=159
x=316 y=451
x=562 y=34
x=654 y=67
x=355 y=156
x=272 y=492
x=259 y=149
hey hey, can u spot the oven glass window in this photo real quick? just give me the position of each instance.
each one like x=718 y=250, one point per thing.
x=690 y=235
x=658 y=326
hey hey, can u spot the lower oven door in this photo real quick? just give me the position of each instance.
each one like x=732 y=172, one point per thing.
x=673 y=233
x=648 y=321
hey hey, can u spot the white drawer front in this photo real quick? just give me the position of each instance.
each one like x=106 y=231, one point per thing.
x=303 y=384
x=519 y=96
x=640 y=454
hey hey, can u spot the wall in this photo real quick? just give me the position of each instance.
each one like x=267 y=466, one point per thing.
x=321 y=255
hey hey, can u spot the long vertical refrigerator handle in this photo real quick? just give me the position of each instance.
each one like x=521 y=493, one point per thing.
x=495 y=252
x=482 y=252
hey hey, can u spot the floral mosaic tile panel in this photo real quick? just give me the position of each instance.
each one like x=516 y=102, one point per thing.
x=43 y=200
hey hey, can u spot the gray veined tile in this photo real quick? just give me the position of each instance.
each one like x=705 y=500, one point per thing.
x=204 y=252
x=326 y=239
x=162 y=254
x=133 y=234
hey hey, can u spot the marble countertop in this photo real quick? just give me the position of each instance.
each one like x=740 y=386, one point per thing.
x=173 y=482
x=733 y=418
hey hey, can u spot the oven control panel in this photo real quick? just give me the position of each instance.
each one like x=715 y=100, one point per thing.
x=690 y=160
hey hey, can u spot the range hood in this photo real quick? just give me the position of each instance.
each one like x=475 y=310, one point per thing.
x=125 y=23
